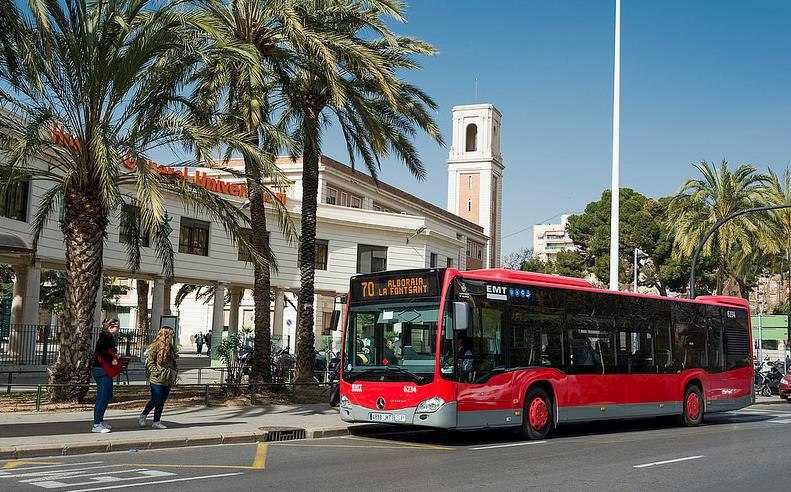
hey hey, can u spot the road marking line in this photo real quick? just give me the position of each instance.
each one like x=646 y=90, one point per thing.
x=349 y=446
x=655 y=463
x=154 y=465
x=401 y=443
x=160 y=481
x=63 y=476
x=23 y=472
x=507 y=445
x=779 y=421
x=260 y=456
x=17 y=463
x=54 y=484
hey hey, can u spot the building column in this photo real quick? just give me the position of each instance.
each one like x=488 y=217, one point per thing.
x=277 y=317
x=166 y=298
x=218 y=320
x=97 y=311
x=233 y=317
x=157 y=306
x=32 y=290
x=20 y=289
x=24 y=312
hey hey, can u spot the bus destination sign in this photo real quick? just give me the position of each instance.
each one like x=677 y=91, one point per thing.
x=408 y=285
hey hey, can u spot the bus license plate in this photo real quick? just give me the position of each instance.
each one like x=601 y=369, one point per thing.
x=387 y=417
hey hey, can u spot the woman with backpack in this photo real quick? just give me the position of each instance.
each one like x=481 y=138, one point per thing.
x=105 y=366
x=161 y=373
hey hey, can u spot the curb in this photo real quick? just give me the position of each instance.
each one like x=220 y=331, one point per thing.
x=78 y=448
x=777 y=401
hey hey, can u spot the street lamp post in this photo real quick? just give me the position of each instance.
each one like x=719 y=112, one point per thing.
x=616 y=126
x=637 y=254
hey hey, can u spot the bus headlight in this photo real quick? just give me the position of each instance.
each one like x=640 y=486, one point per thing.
x=344 y=402
x=784 y=381
x=430 y=405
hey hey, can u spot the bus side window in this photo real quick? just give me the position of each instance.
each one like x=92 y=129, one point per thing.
x=659 y=313
x=714 y=350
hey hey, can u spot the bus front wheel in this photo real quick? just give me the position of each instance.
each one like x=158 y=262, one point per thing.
x=538 y=414
x=693 y=406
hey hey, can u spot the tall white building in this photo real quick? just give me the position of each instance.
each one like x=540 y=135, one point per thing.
x=550 y=239
x=475 y=172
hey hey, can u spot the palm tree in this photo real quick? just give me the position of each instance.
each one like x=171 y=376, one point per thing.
x=701 y=202
x=99 y=86
x=377 y=113
x=780 y=194
x=251 y=44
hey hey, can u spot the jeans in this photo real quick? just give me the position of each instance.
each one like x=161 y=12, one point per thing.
x=104 y=393
x=159 y=394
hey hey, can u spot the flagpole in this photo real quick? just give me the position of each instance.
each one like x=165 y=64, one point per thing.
x=616 y=124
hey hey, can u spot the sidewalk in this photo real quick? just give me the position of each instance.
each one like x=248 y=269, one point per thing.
x=28 y=434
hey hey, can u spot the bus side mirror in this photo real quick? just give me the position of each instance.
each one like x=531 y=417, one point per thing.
x=335 y=320
x=461 y=316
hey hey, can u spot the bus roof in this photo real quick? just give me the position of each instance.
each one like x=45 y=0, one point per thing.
x=506 y=275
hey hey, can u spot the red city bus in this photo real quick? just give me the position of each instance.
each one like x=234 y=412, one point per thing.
x=499 y=348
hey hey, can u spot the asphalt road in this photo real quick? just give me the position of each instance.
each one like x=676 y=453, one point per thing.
x=745 y=450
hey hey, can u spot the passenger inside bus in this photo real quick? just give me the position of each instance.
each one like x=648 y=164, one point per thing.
x=464 y=358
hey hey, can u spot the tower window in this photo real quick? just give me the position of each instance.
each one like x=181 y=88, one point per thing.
x=469 y=205
x=471 y=138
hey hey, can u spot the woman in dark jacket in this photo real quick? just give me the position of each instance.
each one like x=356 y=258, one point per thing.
x=104 y=356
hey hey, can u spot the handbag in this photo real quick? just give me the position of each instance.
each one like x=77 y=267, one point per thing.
x=114 y=367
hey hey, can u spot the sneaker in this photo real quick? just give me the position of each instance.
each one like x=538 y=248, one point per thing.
x=99 y=428
x=141 y=420
x=158 y=425
x=107 y=425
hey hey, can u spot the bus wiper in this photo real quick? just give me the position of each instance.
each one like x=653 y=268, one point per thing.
x=418 y=378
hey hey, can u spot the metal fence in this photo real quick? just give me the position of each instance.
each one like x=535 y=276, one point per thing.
x=22 y=345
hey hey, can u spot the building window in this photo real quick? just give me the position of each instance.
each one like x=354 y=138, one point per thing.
x=469 y=205
x=332 y=196
x=13 y=204
x=449 y=262
x=194 y=237
x=371 y=259
x=433 y=262
x=474 y=250
x=132 y=213
x=244 y=253
x=471 y=138
x=322 y=253
x=337 y=196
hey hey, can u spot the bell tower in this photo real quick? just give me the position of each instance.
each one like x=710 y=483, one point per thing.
x=475 y=172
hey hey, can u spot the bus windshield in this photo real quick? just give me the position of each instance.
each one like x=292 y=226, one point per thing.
x=391 y=342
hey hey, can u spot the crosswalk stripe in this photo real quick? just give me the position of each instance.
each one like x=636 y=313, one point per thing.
x=42 y=473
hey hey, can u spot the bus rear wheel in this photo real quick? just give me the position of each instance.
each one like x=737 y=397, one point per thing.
x=693 y=406
x=537 y=417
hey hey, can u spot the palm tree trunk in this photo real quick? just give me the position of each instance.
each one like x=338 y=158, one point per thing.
x=84 y=228
x=141 y=288
x=307 y=247
x=261 y=372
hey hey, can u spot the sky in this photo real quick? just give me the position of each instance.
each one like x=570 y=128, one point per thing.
x=699 y=80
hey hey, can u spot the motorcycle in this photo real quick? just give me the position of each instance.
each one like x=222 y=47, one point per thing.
x=767 y=380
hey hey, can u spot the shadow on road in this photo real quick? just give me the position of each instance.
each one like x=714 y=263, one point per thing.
x=421 y=435
x=83 y=426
